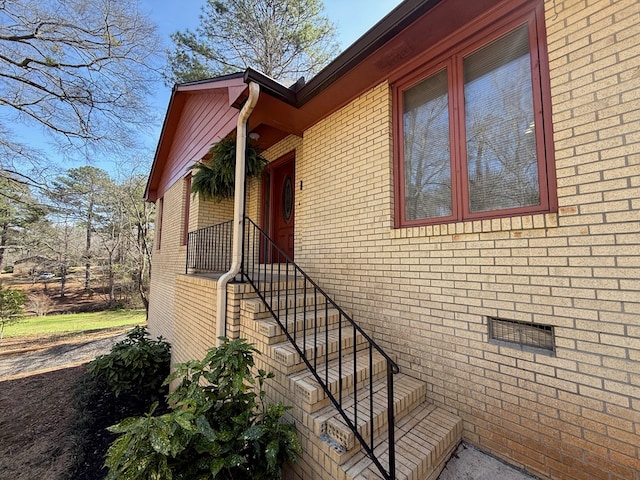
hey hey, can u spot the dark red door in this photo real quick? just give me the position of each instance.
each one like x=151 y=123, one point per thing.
x=282 y=206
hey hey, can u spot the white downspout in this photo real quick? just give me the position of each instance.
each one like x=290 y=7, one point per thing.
x=238 y=211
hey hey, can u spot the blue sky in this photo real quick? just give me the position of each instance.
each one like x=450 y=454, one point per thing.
x=352 y=19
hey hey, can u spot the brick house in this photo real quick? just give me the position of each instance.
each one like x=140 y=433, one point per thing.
x=30 y=265
x=463 y=183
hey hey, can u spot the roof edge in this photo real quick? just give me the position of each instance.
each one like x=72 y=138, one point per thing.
x=271 y=86
x=208 y=81
x=383 y=31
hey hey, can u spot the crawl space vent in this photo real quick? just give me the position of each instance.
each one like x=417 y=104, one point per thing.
x=521 y=334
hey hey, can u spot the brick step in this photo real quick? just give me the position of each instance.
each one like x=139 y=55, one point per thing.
x=317 y=346
x=310 y=396
x=273 y=333
x=289 y=304
x=270 y=270
x=271 y=283
x=424 y=439
x=407 y=393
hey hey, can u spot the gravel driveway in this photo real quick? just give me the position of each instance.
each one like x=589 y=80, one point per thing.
x=57 y=356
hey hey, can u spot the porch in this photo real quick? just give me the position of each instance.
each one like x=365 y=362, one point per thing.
x=357 y=415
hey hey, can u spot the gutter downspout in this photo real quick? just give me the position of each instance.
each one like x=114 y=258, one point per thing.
x=238 y=211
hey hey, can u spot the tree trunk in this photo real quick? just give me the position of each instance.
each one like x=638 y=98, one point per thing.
x=4 y=233
x=87 y=253
x=142 y=290
x=112 y=296
x=63 y=279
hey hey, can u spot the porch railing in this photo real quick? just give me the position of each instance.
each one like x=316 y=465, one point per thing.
x=277 y=279
x=209 y=248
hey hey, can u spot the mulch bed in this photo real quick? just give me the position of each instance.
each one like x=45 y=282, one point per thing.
x=53 y=423
x=97 y=408
x=36 y=414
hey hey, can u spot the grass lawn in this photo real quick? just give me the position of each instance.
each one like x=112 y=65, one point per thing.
x=75 y=322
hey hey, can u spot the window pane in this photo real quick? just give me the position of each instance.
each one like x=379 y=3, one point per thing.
x=501 y=150
x=427 y=164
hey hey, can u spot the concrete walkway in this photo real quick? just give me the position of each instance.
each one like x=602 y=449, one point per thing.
x=468 y=463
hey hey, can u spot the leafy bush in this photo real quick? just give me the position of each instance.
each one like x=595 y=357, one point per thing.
x=11 y=306
x=124 y=383
x=136 y=365
x=218 y=426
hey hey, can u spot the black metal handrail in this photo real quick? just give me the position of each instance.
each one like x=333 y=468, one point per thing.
x=209 y=248
x=271 y=273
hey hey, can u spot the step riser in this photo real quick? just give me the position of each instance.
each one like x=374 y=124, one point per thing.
x=298 y=365
x=311 y=397
x=285 y=305
x=425 y=435
x=273 y=333
x=318 y=350
x=403 y=403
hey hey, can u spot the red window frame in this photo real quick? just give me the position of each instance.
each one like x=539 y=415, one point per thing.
x=187 y=208
x=450 y=54
x=159 y=213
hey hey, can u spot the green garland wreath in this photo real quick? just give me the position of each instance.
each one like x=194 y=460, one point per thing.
x=214 y=178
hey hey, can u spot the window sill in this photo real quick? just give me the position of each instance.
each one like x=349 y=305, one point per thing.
x=507 y=224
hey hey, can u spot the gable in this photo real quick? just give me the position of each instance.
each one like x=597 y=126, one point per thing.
x=205 y=120
x=198 y=115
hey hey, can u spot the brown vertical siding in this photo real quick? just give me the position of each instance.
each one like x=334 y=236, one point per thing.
x=205 y=119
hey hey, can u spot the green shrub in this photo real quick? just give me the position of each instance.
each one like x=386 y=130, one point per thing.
x=11 y=306
x=124 y=383
x=136 y=366
x=218 y=427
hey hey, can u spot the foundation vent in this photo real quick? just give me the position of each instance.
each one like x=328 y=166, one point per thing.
x=521 y=334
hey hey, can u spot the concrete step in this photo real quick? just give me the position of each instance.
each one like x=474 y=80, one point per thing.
x=316 y=344
x=310 y=396
x=424 y=439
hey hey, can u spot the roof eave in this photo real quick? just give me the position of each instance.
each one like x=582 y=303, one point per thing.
x=174 y=109
x=271 y=86
x=397 y=20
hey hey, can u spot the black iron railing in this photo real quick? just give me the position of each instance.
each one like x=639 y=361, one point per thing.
x=302 y=309
x=209 y=248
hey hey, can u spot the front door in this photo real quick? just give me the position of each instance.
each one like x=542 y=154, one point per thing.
x=281 y=205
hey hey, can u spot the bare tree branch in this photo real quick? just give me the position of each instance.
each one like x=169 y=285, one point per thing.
x=82 y=69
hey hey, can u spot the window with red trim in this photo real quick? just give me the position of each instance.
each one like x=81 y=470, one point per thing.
x=159 y=212
x=187 y=208
x=470 y=129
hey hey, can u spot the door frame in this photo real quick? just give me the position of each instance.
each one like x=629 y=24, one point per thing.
x=267 y=220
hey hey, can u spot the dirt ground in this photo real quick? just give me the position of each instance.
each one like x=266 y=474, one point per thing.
x=36 y=411
x=45 y=294
x=37 y=378
x=36 y=403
